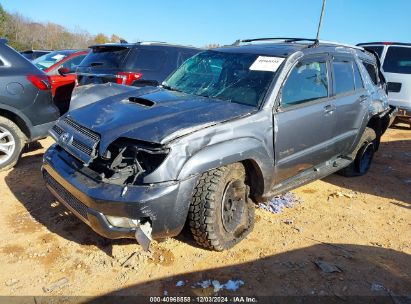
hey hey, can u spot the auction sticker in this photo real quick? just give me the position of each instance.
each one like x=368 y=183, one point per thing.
x=265 y=63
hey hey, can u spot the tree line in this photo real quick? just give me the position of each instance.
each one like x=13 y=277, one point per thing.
x=24 y=34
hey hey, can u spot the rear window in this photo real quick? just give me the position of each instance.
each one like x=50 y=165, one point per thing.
x=398 y=60
x=106 y=56
x=377 y=49
x=146 y=59
x=372 y=71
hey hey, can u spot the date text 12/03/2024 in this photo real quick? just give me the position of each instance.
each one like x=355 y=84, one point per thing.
x=198 y=299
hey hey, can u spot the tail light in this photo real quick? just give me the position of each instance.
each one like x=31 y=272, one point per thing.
x=41 y=82
x=128 y=78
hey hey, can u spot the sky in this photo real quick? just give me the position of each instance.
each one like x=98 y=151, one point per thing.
x=201 y=22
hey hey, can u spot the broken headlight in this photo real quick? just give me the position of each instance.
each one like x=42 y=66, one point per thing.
x=128 y=161
x=122 y=222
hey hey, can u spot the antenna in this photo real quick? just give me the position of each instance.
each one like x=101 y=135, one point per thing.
x=317 y=39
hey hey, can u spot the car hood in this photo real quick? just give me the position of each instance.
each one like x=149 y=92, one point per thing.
x=154 y=115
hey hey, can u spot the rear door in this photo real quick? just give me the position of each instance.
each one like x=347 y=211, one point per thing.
x=305 y=120
x=397 y=71
x=350 y=101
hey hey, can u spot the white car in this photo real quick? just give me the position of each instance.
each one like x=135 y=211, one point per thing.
x=396 y=67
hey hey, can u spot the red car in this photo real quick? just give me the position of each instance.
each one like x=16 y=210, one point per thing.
x=60 y=66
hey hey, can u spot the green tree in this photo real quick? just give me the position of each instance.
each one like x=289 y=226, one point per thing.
x=101 y=38
x=4 y=18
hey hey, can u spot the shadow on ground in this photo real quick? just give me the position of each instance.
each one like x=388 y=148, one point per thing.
x=364 y=272
x=393 y=161
x=26 y=183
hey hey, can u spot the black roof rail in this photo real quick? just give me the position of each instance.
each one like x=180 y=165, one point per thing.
x=285 y=39
x=384 y=43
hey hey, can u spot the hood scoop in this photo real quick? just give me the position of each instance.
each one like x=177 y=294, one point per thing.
x=142 y=101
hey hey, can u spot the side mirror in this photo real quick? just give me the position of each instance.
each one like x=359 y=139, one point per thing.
x=63 y=71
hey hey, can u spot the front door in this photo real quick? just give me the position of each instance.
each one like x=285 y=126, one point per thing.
x=304 y=121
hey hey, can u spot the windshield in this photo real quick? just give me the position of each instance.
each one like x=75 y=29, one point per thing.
x=227 y=76
x=46 y=61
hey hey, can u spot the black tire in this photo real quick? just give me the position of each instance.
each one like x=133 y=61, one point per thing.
x=363 y=157
x=221 y=213
x=9 y=161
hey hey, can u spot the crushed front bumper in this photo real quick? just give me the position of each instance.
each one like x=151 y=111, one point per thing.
x=165 y=205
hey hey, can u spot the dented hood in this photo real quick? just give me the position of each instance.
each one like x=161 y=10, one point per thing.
x=159 y=117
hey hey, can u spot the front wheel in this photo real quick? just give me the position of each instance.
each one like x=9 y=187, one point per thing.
x=221 y=213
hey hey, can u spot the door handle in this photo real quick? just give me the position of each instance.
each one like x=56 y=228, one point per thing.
x=329 y=108
x=362 y=98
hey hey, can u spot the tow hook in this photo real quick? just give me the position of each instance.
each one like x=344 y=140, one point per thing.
x=143 y=235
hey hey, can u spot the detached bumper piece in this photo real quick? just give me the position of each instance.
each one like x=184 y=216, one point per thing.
x=151 y=211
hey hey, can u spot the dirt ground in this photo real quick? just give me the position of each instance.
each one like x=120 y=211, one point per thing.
x=361 y=227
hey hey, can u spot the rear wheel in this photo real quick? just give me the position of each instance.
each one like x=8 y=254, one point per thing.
x=11 y=143
x=364 y=156
x=221 y=213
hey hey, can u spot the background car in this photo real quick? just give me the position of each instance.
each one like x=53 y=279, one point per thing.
x=137 y=64
x=26 y=106
x=33 y=54
x=396 y=67
x=60 y=66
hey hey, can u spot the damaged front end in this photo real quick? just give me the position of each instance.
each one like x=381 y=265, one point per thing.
x=107 y=190
x=127 y=162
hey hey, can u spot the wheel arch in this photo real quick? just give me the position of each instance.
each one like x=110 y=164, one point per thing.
x=248 y=151
x=18 y=118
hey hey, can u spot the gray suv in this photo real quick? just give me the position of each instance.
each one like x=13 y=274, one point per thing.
x=231 y=127
x=26 y=106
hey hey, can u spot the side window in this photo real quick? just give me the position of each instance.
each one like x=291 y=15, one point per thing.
x=372 y=71
x=307 y=81
x=359 y=84
x=343 y=76
x=72 y=64
x=147 y=59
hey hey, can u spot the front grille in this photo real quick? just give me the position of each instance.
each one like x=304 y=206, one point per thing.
x=77 y=140
x=81 y=129
x=66 y=196
x=82 y=147
x=394 y=87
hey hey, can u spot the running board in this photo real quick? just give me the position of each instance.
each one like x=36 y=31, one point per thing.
x=308 y=176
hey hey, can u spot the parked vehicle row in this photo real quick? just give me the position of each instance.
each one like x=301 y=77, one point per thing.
x=229 y=128
x=396 y=67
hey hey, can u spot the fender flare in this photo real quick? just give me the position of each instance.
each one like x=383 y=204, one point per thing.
x=244 y=149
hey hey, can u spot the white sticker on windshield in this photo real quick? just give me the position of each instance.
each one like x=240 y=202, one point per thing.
x=58 y=56
x=265 y=63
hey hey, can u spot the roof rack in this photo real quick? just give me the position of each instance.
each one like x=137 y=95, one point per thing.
x=284 y=39
x=162 y=42
x=291 y=39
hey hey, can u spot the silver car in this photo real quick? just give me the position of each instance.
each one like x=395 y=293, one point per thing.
x=230 y=127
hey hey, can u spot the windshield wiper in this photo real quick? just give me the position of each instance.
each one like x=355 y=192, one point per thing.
x=215 y=97
x=167 y=87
